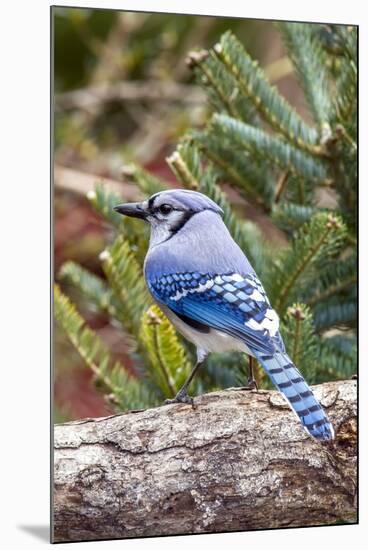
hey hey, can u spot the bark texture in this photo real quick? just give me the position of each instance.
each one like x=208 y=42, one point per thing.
x=240 y=460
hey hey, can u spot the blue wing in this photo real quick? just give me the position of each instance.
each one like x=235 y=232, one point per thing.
x=230 y=302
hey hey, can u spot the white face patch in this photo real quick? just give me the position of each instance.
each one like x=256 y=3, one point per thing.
x=162 y=226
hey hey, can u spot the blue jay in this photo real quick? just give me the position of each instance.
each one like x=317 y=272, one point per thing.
x=204 y=283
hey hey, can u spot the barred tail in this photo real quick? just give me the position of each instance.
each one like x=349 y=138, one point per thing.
x=300 y=397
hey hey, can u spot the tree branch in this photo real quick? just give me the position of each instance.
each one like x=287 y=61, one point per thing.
x=240 y=460
x=153 y=91
x=75 y=181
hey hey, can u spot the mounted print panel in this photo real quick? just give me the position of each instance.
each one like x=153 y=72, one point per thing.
x=205 y=259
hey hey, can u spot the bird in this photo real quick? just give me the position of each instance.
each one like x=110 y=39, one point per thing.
x=204 y=283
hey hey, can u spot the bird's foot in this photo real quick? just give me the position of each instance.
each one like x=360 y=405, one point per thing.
x=252 y=385
x=181 y=397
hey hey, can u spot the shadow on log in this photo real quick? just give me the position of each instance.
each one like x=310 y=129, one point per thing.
x=240 y=460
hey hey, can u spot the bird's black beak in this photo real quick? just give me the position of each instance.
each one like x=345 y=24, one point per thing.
x=132 y=209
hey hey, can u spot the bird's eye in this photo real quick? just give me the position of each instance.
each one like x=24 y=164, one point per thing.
x=165 y=209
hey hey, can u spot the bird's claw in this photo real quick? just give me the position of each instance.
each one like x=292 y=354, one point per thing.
x=252 y=385
x=181 y=397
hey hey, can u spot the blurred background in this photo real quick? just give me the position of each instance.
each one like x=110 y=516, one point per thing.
x=123 y=93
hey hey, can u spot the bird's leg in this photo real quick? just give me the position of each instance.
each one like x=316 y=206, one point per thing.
x=182 y=395
x=252 y=383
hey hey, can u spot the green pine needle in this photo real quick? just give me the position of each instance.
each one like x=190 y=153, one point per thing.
x=111 y=377
x=271 y=106
x=310 y=64
x=321 y=238
x=300 y=339
x=271 y=148
x=125 y=276
x=170 y=364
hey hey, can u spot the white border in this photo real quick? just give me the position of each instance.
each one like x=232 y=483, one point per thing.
x=25 y=268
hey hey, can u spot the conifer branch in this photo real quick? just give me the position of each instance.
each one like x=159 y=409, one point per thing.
x=125 y=277
x=331 y=290
x=103 y=201
x=272 y=107
x=300 y=338
x=281 y=185
x=336 y=312
x=181 y=170
x=290 y=281
x=213 y=77
x=154 y=321
x=271 y=148
x=147 y=182
x=169 y=362
x=111 y=377
x=310 y=64
x=91 y=286
x=290 y=216
x=255 y=181
x=298 y=315
x=323 y=234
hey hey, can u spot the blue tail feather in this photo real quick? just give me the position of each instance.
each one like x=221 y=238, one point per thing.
x=289 y=381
